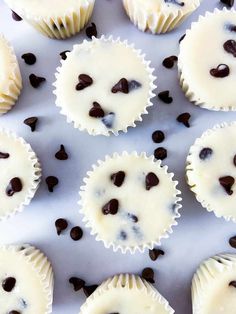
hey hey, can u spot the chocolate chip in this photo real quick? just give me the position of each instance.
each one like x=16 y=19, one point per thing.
x=134 y=85
x=155 y=253
x=184 y=118
x=227 y=182
x=181 y=38
x=230 y=47
x=61 y=225
x=160 y=153
x=76 y=233
x=221 y=71
x=63 y=54
x=158 y=136
x=151 y=180
x=88 y=290
x=35 y=80
x=111 y=207
x=31 y=122
x=77 y=283
x=169 y=62
x=232 y=242
x=51 y=183
x=9 y=284
x=108 y=120
x=96 y=111
x=205 y=153
x=29 y=58
x=14 y=312
x=15 y=16
x=229 y=3
x=61 y=154
x=122 y=86
x=4 y=155
x=91 y=31
x=233 y=283
x=118 y=178
x=14 y=186
x=148 y=274
x=84 y=82
x=133 y=218
x=165 y=97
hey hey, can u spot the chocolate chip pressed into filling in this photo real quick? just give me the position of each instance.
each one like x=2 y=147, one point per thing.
x=84 y=81
x=221 y=71
x=8 y=284
x=118 y=178
x=14 y=186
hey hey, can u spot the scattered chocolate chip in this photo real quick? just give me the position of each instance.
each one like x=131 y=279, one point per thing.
x=232 y=242
x=84 y=82
x=14 y=312
x=155 y=253
x=63 y=54
x=9 y=284
x=111 y=207
x=227 y=182
x=160 y=153
x=122 y=86
x=35 y=80
x=96 y=111
x=158 y=136
x=118 y=178
x=4 y=155
x=91 y=31
x=31 y=122
x=108 y=120
x=151 y=180
x=77 y=283
x=233 y=283
x=133 y=218
x=88 y=290
x=184 y=118
x=51 y=183
x=134 y=85
x=61 y=225
x=61 y=154
x=229 y=3
x=169 y=62
x=205 y=153
x=76 y=233
x=165 y=97
x=15 y=16
x=29 y=58
x=14 y=186
x=148 y=274
x=230 y=47
x=221 y=71
x=181 y=38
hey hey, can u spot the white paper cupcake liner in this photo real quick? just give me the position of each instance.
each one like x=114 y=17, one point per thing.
x=10 y=90
x=35 y=179
x=40 y=264
x=55 y=26
x=190 y=169
x=156 y=22
x=142 y=247
x=127 y=282
x=204 y=276
x=137 y=118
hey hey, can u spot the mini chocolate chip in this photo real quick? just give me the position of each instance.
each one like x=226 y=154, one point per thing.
x=133 y=218
x=108 y=120
x=169 y=62
x=15 y=16
x=35 y=80
x=29 y=58
x=148 y=274
x=76 y=233
x=151 y=180
x=227 y=182
x=4 y=155
x=8 y=284
x=63 y=54
x=160 y=153
x=118 y=178
x=232 y=242
x=205 y=153
x=111 y=207
x=233 y=283
x=165 y=97
x=84 y=82
x=61 y=225
x=77 y=283
x=14 y=186
x=96 y=111
x=221 y=71
x=229 y=3
x=61 y=154
x=134 y=85
x=91 y=31
x=155 y=253
x=123 y=235
x=181 y=38
x=88 y=290
x=122 y=86
x=158 y=136
x=230 y=47
x=14 y=312
x=51 y=183
x=31 y=122
x=184 y=118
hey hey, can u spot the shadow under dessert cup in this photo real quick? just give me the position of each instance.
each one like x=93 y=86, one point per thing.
x=54 y=18
x=211 y=170
x=10 y=77
x=126 y=293
x=20 y=174
x=26 y=280
x=214 y=286
x=207 y=61
x=159 y=16
x=130 y=202
x=104 y=86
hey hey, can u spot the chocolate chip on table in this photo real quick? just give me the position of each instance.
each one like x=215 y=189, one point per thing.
x=118 y=178
x=111 y=207
x=91 y=31
x=29 y=58
x=4 y=155
x=160 y=153
x=233 y=283
x=227 y=182
x=35 y=80
x=14 y=186
x=158 y=136
x=232 y=242
x=229 y=3
x=148 y=274
x=184 y=119
x=96 y=111
x=61 y=224
x=230 y=47
x=76 y=233
x=84 y=81
x=63 y=54
x=51 y=183
x=8 y=284
x=88 y=290
x=165 y=97
x=155 y=253
x=108 y=120
x=31 y=122
x=122 y=86
x=221 y=71
x=169 y=62
x=181 y=38
x=61 y=154
x=77 y=283
x=134 y=85
x=14 y=312
x=15 y=16
x=205 y=153
x=151 y=180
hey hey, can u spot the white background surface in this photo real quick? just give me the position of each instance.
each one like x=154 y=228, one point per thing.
x=198 y=235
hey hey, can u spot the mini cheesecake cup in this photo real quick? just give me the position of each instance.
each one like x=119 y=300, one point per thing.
x=161 y=21
x=174 y=210
x=39 y=264
x=126 y=283
x=11 y=85
x=86 y=46
x=36 y=177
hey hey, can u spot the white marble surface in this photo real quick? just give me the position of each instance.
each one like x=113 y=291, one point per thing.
x=198 y=235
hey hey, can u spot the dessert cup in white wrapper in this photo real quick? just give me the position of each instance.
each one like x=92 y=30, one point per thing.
x=55 y=19
x=211 y=289
x=129 y=229
x=156 y=16
x=10 y=81
x=32 y=268
x=33 y=169
x=128 y=292
x=67 y=98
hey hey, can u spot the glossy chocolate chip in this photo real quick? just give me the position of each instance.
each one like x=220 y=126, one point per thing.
x=151 y=180
x=84 y=81
x=108 y=120
x=96 y=111
x=111 y=207
x=232 y=242
x=148 y=274
x=29 y=58
x=205 y=153
x=184 y=119
x=61 y=154
x=51 y=181
x=230 y=47
x=160 y=153
x=61 y=224
x=165 y=97
x=169 y=62
x=158 y=136
x=221 y=71
x=35 y=80
x=227 y=182
x=77 y=283
x=76 y=233
x=31 y=122
x=88 y=290
x=15 y=16
x=14 y=186
x=233 y=283
x=155 y=253
x=229 y=3
x=122 y=86
x=8 y=284
x=4 y=155
x=134 y=85
x=91 y=31
x=63 y=54
x=118 y=178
